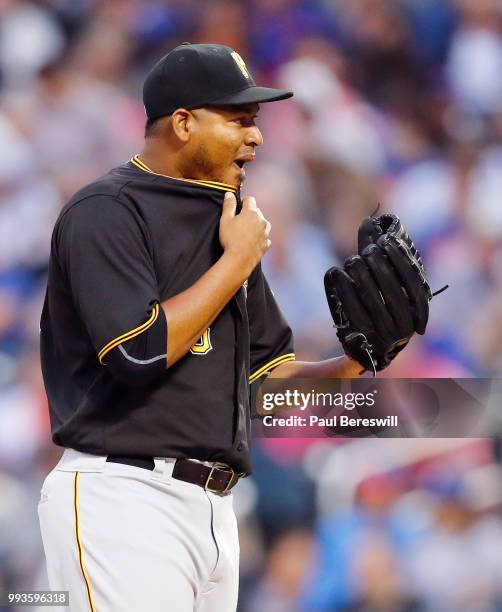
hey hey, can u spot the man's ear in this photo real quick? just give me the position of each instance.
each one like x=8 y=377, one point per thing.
x=182 y=123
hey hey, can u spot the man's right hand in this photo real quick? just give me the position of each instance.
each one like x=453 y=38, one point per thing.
x=245 y=236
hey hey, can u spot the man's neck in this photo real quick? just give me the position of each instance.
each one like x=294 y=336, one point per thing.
x=160 y=160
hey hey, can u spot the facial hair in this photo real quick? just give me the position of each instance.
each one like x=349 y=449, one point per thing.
x=203 y=166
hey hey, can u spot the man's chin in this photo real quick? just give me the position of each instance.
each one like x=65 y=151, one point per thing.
x=237 y=177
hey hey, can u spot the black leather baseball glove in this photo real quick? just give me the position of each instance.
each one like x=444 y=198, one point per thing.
x=381 y=296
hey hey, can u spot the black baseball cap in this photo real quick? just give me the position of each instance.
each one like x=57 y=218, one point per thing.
x=191 y=76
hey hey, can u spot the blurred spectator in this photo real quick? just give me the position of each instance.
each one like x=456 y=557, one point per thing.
x=378 y=41
x=28 y=201
x=347 y=544
x=342 y=127
x=286 y=495
x=30 y=38
x=458 y=564
x=275 y=27
x=475 y=58
x=78 y=126
x=379 y=575
x=284 y=574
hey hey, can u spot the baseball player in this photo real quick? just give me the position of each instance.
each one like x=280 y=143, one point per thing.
x=157 y=329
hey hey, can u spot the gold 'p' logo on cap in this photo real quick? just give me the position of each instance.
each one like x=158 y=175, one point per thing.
x=240 y=62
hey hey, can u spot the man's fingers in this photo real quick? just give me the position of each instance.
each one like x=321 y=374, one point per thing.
x=249 y=202
x=229 y=205
x=268 y=227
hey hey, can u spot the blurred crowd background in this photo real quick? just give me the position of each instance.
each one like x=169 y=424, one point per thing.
x=397 y=102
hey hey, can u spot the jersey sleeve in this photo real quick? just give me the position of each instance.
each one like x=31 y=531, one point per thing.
x=271 y=339
x=104 y=252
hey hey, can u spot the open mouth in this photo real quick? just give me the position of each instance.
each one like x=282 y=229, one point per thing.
x=243 y=159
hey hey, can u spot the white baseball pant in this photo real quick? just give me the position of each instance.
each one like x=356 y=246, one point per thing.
x=122 y=539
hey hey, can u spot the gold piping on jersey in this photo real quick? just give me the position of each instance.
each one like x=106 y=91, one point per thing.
x=271 y=365
x=213 y=184
x=79 y=545
x=129 y=335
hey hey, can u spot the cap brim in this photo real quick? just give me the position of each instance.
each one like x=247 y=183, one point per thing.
x=253 y=95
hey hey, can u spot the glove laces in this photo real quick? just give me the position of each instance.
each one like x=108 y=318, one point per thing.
x=366 y=346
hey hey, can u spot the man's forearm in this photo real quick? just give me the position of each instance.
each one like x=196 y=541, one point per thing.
x=192 y=311
x=338 y=367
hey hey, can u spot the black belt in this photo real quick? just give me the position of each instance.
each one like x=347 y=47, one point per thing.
x=219 y=478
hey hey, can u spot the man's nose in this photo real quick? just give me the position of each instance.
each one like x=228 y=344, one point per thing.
x=254 y=137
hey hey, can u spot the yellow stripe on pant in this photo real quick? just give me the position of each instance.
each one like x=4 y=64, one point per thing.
x=79 y=545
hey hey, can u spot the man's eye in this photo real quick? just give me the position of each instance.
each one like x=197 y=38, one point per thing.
x=245 y=121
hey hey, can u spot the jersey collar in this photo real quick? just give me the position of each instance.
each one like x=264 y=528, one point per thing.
x=212 y=184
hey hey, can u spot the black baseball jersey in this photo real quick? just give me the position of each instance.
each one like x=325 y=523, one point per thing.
x=120 y=247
